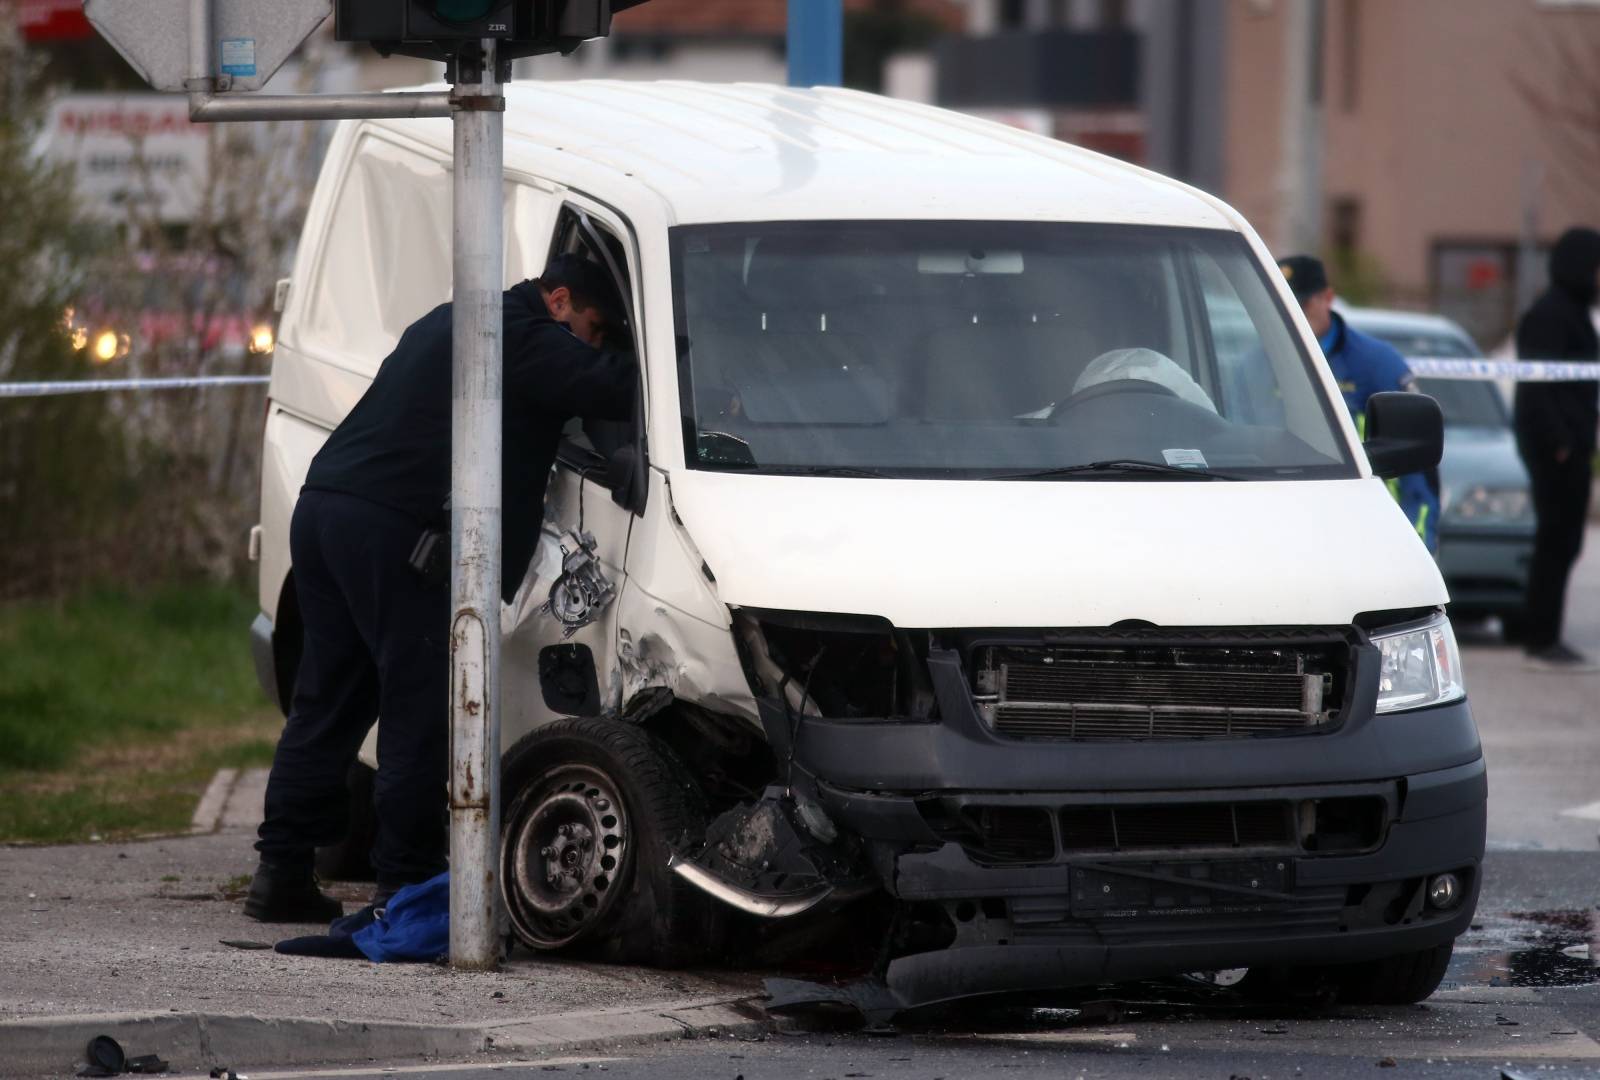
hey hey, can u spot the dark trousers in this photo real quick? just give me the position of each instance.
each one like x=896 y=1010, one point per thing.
x=1561 y=504
x=376 y=646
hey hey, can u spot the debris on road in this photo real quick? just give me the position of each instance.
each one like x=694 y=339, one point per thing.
x=106 y=1058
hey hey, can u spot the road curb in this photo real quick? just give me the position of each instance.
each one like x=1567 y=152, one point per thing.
x=195 y=1042
x=208 y=812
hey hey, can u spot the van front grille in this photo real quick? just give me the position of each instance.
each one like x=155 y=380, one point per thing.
x=1155 y=691
x=1011 y=833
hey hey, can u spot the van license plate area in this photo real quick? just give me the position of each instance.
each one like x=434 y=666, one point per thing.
x=1125 y=890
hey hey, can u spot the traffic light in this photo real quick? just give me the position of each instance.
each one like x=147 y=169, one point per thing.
x=458 y=20
x=434 y=27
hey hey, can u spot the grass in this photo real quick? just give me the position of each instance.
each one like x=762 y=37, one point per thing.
x=117 y=708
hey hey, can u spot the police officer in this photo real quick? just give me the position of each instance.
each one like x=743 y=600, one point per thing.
x=1363 y=366
x=376 y=618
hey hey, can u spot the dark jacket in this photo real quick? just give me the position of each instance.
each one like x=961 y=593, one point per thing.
x=394 y=447
x=1555 y=416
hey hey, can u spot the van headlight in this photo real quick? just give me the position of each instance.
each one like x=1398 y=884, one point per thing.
x=1421 y=667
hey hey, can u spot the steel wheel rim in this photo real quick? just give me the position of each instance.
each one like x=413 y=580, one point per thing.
x=565 y=848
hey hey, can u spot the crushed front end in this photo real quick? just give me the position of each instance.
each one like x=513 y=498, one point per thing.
x=1065 y=808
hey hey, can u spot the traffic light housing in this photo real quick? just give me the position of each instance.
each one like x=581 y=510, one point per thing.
x=436 y=28
x=458 y=20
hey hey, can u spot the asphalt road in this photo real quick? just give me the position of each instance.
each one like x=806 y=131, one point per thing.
x=1541 y=731
x=1517 y=1002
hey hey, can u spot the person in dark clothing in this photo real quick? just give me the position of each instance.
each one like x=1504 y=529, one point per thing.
x=376 y=629
x=1556 y=424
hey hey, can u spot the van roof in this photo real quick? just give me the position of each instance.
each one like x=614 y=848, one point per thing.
x=725 y=152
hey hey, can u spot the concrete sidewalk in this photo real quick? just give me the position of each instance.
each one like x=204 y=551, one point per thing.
x=126 y=940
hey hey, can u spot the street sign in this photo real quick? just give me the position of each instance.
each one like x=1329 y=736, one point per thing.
x=133 y=154
x=54 y=20
x=250 y=39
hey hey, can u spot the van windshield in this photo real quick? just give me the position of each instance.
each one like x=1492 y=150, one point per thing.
x=957 y=349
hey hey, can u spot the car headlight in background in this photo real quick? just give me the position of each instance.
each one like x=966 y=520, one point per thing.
x=261 y=340
x=1482 y=504
x=108 y=345
x=1421 y=666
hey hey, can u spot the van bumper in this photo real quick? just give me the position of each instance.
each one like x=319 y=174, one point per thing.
x=1067 y=917
x=1083 y=919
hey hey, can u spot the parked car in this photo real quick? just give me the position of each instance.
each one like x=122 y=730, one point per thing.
x=1486 y=525
x=953 y=568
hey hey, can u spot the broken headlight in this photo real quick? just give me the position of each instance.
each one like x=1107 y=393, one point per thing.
x=1421 y=666
x=842 y=667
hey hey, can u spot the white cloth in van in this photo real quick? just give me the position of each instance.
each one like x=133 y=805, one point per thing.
x=1146 y=364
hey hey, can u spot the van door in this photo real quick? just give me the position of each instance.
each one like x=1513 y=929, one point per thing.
x=560 y=647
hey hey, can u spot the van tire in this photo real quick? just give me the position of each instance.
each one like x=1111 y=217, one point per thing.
x=559 y=824
x=351 y=858
x=1395 y=980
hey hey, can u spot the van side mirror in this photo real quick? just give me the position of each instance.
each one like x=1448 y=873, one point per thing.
x=1405 y=433
x=627 y=478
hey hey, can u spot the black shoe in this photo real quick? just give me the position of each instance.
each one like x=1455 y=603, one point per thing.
x=1560 y=657
x=289 y=894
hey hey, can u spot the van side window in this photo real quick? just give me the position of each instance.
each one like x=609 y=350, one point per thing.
x=373 y=279
x=590 y=442
x=1250 y=393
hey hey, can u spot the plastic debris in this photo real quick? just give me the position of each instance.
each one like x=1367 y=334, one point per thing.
x=1577 y=952
x=242 y=943
x=106 y=1058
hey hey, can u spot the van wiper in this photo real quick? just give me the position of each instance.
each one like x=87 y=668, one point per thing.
x=1120 y=466
x=827 y=470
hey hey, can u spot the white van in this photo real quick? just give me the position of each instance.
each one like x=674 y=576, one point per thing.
x=992 y=549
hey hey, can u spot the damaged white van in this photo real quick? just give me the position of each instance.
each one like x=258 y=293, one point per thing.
x=992 y=548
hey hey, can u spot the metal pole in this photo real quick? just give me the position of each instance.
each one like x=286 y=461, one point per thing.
x=218 y=108
x=200 y=47
x=816 y=43
x=475 y=521
x=1300 y=164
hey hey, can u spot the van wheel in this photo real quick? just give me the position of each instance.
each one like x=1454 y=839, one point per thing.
x=351 y=858
x=595 y=807
x=1395 y=980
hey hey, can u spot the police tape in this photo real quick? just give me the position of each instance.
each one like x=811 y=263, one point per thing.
x=92 y=386
x=1519 y=370
x=1427 y=366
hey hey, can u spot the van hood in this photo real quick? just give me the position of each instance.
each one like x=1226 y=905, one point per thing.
x=935 y=554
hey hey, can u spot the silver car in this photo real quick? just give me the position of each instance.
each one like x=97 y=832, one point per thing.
x=1486 y=528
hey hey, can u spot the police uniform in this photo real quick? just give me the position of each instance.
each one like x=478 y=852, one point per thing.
x=1365 y=366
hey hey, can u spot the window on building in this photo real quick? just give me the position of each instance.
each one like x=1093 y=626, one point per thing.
x=1345 y=224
